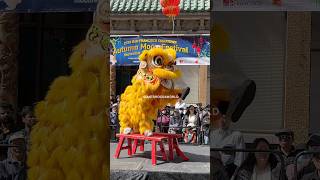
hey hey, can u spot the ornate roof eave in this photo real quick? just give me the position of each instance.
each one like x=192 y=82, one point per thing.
x=158 y=15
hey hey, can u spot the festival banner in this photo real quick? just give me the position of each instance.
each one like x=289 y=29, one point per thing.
x=191 y=50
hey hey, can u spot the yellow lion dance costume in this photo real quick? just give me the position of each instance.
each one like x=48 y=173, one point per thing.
x=152 y=88
x=70 y=140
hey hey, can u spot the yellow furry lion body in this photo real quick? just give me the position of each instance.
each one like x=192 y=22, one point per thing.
x=70 y=140
x=152 y=88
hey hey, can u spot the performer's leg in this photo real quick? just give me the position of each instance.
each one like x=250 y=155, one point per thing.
x=186 y=134
x=126 y=127
x=146 y=127
x=194 y=137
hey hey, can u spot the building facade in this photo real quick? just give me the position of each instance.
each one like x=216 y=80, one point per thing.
x=135 y=18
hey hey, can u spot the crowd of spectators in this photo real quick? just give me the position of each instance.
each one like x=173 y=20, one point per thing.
x=279 y=161
x=193 y=120
x=15 y=131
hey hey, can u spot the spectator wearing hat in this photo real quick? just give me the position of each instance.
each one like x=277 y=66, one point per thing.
x=224 y=137
x=287 y=149
x=13 y=167
x=308 y=171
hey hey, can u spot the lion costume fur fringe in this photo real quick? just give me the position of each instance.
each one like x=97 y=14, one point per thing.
x=70 y=140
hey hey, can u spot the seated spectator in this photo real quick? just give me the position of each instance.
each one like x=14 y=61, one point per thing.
x=183 y=112
x=112 y=99
x=6 y=120
x=114 y=121
x=315 y=175
x=175 y=124
x=259 y=165
x=308 y=164
x=286 y=147
x=191 y=121
x=13 y=167
x=6 y=126
x=29 y=120
x=224 y=137
x=163 y=120
x=288 y=151
x=205 y=124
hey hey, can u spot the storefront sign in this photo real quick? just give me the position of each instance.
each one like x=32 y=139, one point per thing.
x=191 y=50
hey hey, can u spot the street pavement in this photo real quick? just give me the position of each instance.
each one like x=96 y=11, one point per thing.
x=139 y=165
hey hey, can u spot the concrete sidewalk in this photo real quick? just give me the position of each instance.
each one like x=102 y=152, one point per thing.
x=139 y=165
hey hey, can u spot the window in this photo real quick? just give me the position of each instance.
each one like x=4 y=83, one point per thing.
x=257 y=42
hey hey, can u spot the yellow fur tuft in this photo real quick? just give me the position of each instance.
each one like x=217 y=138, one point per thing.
x=70 y=141
x=165 y=74
x=143 y=56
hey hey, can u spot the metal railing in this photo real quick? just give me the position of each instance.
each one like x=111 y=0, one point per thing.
x=275 y=152
x=7 y=145
x=199 y=134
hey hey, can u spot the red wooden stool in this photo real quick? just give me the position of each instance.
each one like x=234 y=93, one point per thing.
x=173 y=145
x=154 y=140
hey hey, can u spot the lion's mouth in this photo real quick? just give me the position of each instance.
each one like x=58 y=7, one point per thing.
x=167 y=83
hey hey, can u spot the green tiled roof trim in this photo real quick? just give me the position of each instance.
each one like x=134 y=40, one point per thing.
x=153 y=6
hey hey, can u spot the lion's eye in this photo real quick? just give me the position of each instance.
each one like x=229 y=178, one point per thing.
x=158 y=61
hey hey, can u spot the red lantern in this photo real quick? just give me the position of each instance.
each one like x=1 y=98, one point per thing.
x=170 y=8
x=165 y=3
x=171 y=11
